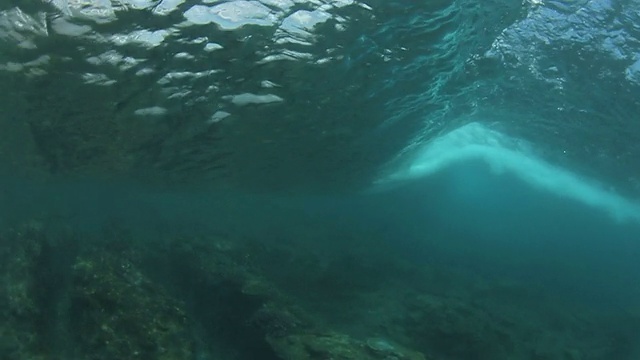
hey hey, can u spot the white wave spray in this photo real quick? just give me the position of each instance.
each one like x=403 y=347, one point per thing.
x=505 y=155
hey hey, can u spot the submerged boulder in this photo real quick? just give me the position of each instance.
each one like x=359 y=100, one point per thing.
x=118 y=313
x=338 y=346
x=19 y=311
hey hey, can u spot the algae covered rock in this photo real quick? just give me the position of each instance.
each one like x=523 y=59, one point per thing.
x=120 y=314
x=338 y=347
x=455 y=329
x=20 y=314
x=277 y=321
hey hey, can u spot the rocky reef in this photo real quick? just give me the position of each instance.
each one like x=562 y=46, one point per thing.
x=203 y=299
x=68 y=296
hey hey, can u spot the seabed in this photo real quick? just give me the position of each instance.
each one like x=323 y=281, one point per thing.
x=109 y=296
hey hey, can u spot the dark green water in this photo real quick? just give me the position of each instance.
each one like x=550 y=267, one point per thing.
x=327 y=179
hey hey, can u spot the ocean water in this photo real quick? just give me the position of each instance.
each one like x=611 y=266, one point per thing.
x=320 y=179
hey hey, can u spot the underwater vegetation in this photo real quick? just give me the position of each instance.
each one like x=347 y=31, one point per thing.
x=64 y=295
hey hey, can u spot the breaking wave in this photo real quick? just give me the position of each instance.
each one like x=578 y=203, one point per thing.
x=504 y=155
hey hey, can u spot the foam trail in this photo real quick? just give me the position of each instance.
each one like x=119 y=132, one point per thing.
x=503 y=154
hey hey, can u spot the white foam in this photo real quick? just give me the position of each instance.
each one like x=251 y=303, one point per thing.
x=248 y=98
x=232 y=15
x=503 y=154
x=63 y=26
x=302 y=22
x=151 y=111
x=167 y=6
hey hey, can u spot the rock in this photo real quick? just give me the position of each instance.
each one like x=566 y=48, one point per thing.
x=119 y=314
x=337 y=346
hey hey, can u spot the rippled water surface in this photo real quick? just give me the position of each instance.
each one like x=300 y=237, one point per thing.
x=298 y=94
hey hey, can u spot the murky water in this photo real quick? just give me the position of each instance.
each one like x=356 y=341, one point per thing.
x=330 y=179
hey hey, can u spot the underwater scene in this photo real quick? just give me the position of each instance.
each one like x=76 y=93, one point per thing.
x=320 y=179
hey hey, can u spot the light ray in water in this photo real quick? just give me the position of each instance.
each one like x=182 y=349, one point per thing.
x=505 y=155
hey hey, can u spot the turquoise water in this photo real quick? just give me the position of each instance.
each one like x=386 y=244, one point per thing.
x=326 y=179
